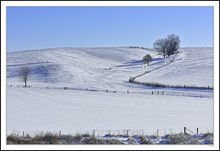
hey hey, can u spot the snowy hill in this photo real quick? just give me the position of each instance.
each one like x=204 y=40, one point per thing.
x=192 y=66
x=110 y=68
x=78 y=67
x=89 y=67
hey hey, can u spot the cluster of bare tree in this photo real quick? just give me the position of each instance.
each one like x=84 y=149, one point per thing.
x=168 y=45
x=147 y=58
x=24 y=74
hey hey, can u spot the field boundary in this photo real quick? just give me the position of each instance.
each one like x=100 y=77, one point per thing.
x=149 y=92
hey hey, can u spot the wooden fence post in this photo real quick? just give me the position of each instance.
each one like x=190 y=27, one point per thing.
x=93 y=134
x=184 y=130
x=197 y=130
x=157 y=132
x=23 y=134
x=152 y=93
x=60 y=134
x=93 y=137
x=127 y=133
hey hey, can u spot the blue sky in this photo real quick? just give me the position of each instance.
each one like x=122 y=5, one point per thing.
x=50 y=27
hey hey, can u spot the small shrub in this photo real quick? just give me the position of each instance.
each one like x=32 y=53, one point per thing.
x=145 y=141
x=78 y=136
x=132 y=140
x=113 y=141
x=208 y=134
x=182 y=139
x=37 y=139
x=14 y=139
x=176 y=139
x=50 y=138
x=92 y=140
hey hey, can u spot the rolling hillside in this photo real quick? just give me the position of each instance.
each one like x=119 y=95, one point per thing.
x=98 y=69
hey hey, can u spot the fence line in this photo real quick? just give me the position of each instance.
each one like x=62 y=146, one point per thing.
x=167 y=85
x=115 y=133
x=167 y=93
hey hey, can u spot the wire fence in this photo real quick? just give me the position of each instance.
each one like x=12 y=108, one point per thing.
x=165 y=93
x=123 y=133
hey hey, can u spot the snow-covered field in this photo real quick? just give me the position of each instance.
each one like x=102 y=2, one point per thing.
x=192 y=67
x=34 y=109
x=71 y=111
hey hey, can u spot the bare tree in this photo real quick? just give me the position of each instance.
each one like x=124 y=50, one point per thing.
x=161 y=45
x=147 y=58
x=173 y=44
x=168 y=45
x=24 y=74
